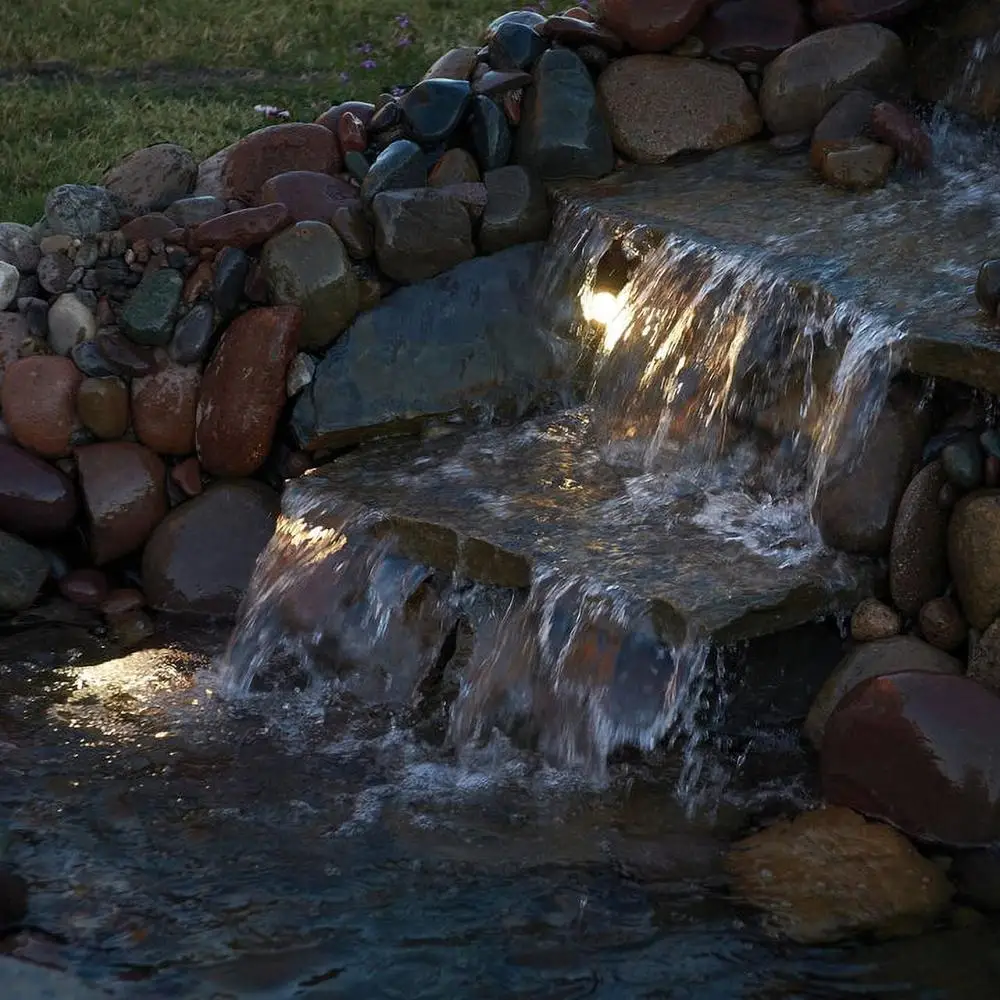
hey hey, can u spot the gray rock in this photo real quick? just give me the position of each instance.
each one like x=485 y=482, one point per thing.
x=232 y=266
x=150 y=179
x=23 y=570
x=307 y=265
x=209 y=181
x=562 y=133
x=466 y=337
x=491 y=136
x=148 y=316
x=80 y=210
x=401 y=164
x=18 y=247
x=54 y=270
x=10 y=278
x=193 y=334
x=517 y=209
x=69 y=322
x=195 y=210
x=300 y=374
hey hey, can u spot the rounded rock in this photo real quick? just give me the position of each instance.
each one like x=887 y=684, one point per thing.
x=163 y=409
x=308 y=196
x=517 y=209
x=974 y=556
x=10 y=278
x=80 y=210
x=651 y=25
x=36 y=499
x=752 y=31
x=102 y=405
x=87 y=588
x=942 y=624
x=70 y=322
x=874 y=620
x=152 y=178
x=23 y=572
x=38 y=403
x=245 y=228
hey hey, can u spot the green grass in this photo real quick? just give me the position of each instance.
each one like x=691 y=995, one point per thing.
x=191 y=71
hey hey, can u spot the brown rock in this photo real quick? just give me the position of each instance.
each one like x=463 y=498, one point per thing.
x=855 y=164
x=36 y=499
x=152 y=178
x=122 y=601
x=247 y=228
x=124 y=489
x=275 y=150
x=573 y=31
x=131 y=629
x=330 y=119
x=849 y=118
x=163 y=409
x=829 y=874
x=456 y=166
x=308 y=195
x=901 y=130
x=102 y=406
x=658 y=106
x=942 y=624
x=201 y=557
x=874 y=620
x=752 y=31
x=457 y=64
x=146 y=228
x=984 y=659
x=974 y=555
x=651 y=25
x=187 y=476
x=918 y=554
x=199 y=283
x=243 y=390
x=830 y=12
x=351 y=133
x=918 y=750
x=38 y=403
x=87 y=588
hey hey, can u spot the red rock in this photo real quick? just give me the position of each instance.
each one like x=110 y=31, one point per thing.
x=351 y=133
x=243 y=390
x=122 y=601
x=307 y=195
x=187 y=476
x=512 y=102
x=920 y=751
x=155 y=226
x=38 y=403
x=246 y=228
x=901 y=130
x=456 y=166
x=274 y=150
x=651 y=25
x=580 y=13
x=36 y=499
x=199 y=283
x=830 y=12
x=330 y=119
x=752 y=31
x=87 y=588
x=575 y=31
x=124 y=490
x=163 y=409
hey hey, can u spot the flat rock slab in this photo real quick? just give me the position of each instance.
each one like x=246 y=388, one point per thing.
x=500 y=507
x=907 y=253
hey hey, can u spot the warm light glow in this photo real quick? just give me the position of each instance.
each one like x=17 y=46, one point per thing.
x=600 y=307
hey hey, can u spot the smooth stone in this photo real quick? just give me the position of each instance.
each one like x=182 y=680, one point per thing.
x=574 y=32
x=517 y=209
x=562 y=132
x=855 y=164
x=962 y=462
x=102 y=406
x=123 y=357
x=69 y=323
x=974 y=555
x=651 y=25
x=187 y=476
x=456 y=166
x=515 y=46
x=829 y=874
x=152 y=178
x=80 y=210
x=806 y=80
x=149 y=314
x=122 y=601
x=193 y=334
x=19 y=247
x=307 y=266
x=491 y=136
x=232 y=267
x=10 y=279
x=351 y=224
x=918 y=750
x=87 y=588
x=38 y=403
x=124 y=490
x=873 y=659
x=984 y=659
x=988 y=287
x=472 y=196
x=308 y=196
x=88 y=358
x=832 y=12
x=420 y=233
x=658 y=106
x=201 y=558
x=163 y=409
x=274 y=150
x=36 y=499
x=193 y=211
x=352 y=134
x=918 y=553
x=146 y=228
x=387 y=117
x=23 y=571
x=528 y=18
x=455 y=64
x=54 y=272
x=496 y=83
x=434 y=109
x=243 y=390
x=330 y=118
x=245 y=228
x=400 y=165
x=942 y=624
x=848 y=118
x=873 y=620
x=752 y=31
x=357 y=165
x=901 y=130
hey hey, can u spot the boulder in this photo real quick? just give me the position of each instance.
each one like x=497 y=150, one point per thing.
x=38 y=403
x=901 y=130
x=152 y=178
x=19 y=247
x=195 y=210
x=433 y=110
x=974 y=555
x=36 y=499
x=80 y=210
x=651 y=25
x=918 y=553
x=163 y=409
x=455 y=64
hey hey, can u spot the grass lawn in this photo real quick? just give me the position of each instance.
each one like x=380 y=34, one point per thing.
x=82 y=82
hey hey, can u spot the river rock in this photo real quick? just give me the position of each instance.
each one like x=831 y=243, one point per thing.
x=830 y=874
x=496 y=83
x=942 y=624
x=193 y=334
x=874 y=620
x=163 y=409
x=243 y=390
x=456 y=166
x=308 y=266
x=984 y=659
x=562 y=132
x=491 y=137
x=974 y=555
x=274 y=150
x=36 y=499
x=658 y=106
x=918 y=553
x=849 y=118
x=854 y=164
x=962 y=461
x=232 y=269
x=10 y=278
x=517 y=209
x=201 y=557
x=514 y=44
x=102 y=406
x=124 y=490
x=903 y=131
x=246 y=228
x=150 y=179
x=54 y=272
x=352 y=134
x=308 y=195
x=330 y=119
x=69 y=322
x=651 y=25
x=918 y=750
x=988 y=287
x=455 y=64
x=802 y=83
x=467 y=337
x=873 y=659
x=433 y=109
x=86 y=588
x=122 y=356
x=23 y=571
x=195 y=210
x=146 y=228
x=149 y=314
x=19 y=247
x=752 y=31
x=351 y=224
x=38 y=403
x=80 y=210
x=400 y=165
x=830 y=12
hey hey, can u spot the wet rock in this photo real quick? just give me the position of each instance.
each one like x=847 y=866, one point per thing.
x=901 y=130
x=517 y=209
x=149 y=314
x=472 y=196
x=527 y=17
x=962 y=461
x=86 y=588
x=232 y=267
x=496 y=83
x=874 y=620
x=195 y=210
x=651 y=25
x=942 y=624
x=300 y=374
x=455 y=64
x=19 y=247
x=123 y=357
x=243 y=390
x=562 y=132
x=831 y=12
x=984 y=659
x=80 y=210
x=307 y=266
x=829 y=874
x=434 y=109
x=274 y=150
x=102 y=406
x=122 y=601
x=13 y=899
x=23 y=571
x=69 y=323
x=849 y=118
x=466 y=336
x=658 y=106
x=163 y=409
x=854 y=164
x=308 y=195
x=988 y=287
x=974 y=555
x=357 y=165
x=750 y=31
x=193 y=334
x=420 y=233
x=132 y=629
x=919 y=751
x=351 y=224
x=491 y=137
x=918 y=554
x=36 y=499
x=247 y=228
x=515 y=45
x=150 y=179
x=201 y=557
x=88 y=358
x=456 y=166
x=38 y=403
x=977 y=876
x=806 y=80
x=400 y=165
x=873 y=659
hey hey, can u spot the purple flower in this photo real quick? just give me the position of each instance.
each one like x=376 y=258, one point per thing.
x=369 y=64
x=364 y=48
x=345 y=77
x=404 y=41
x=403 y=20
